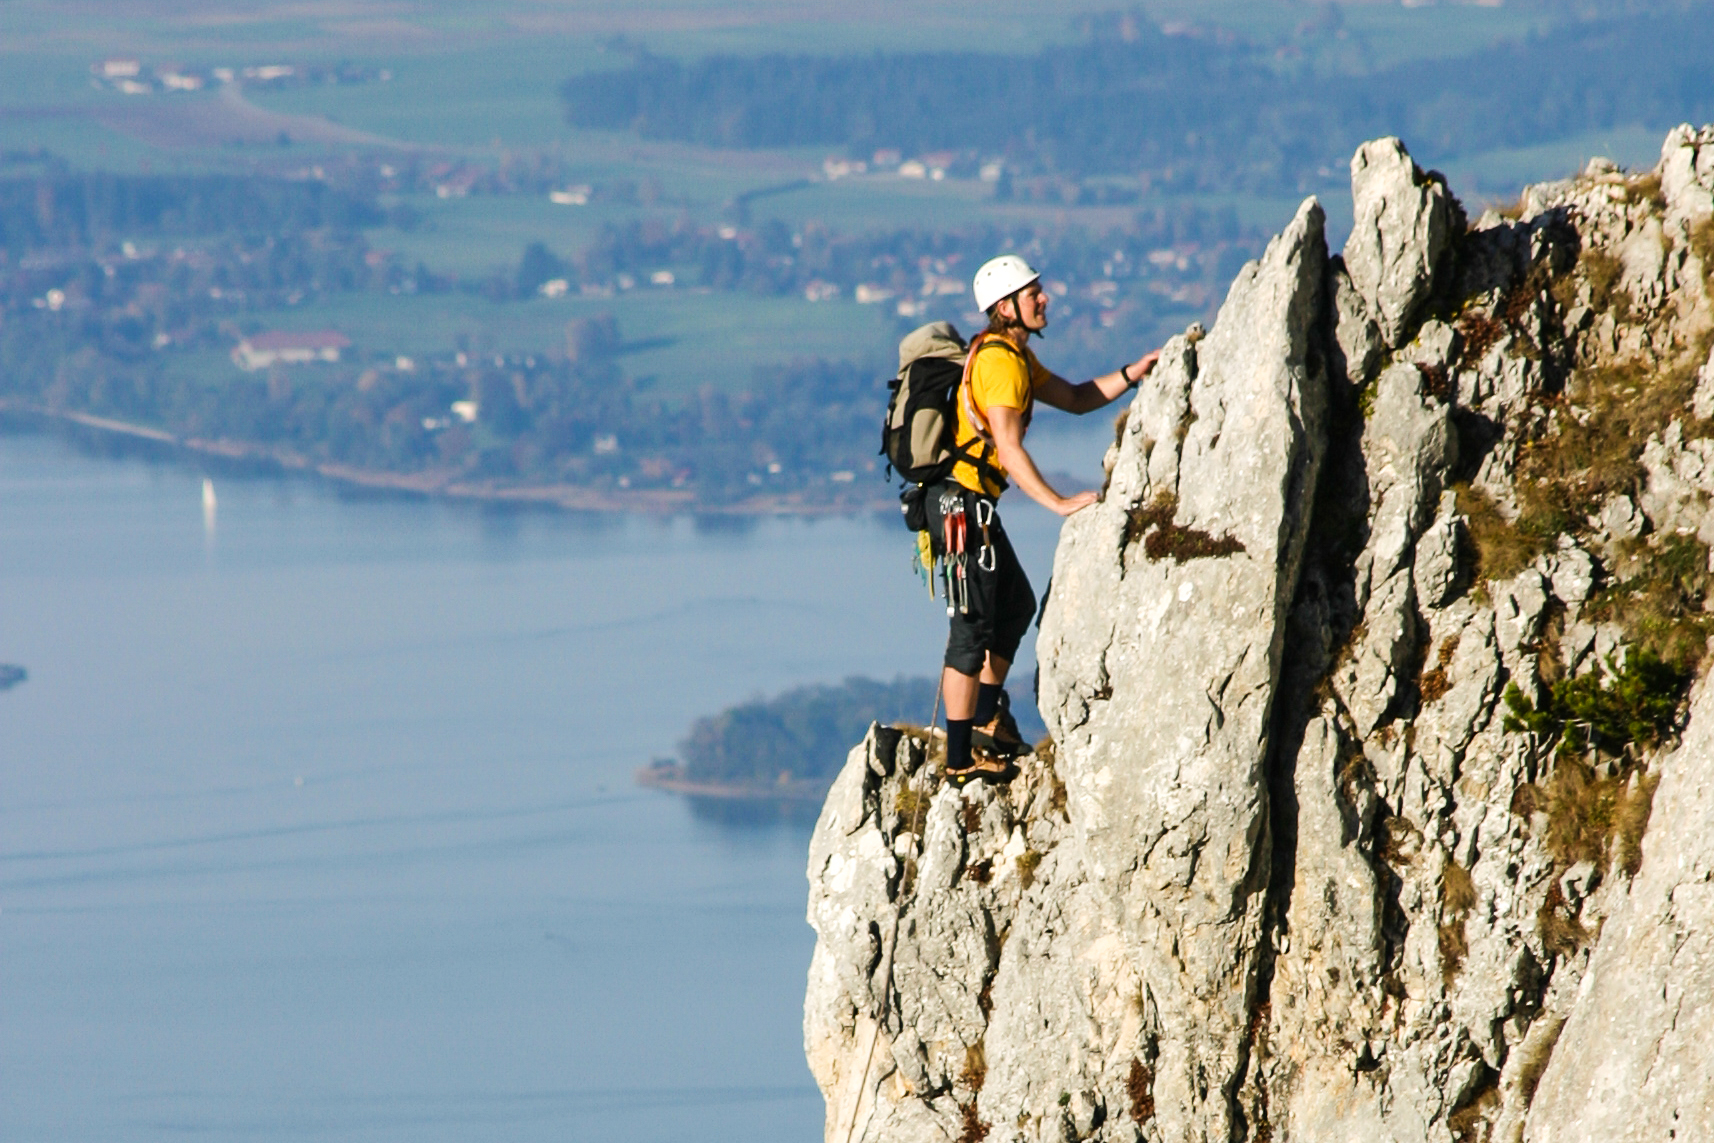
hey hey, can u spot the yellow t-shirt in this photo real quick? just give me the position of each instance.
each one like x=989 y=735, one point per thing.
x=1000 y=375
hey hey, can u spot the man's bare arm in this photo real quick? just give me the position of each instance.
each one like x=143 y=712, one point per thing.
x=1092 y=395
x=1007 y=425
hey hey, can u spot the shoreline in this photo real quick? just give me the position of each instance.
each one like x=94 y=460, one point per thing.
x=669 y=776
x=569 y=497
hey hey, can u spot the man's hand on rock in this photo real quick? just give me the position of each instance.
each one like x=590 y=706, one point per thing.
x=1142 y=366
x=1071 y=504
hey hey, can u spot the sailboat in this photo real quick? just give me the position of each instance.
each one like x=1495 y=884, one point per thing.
x=208 y=504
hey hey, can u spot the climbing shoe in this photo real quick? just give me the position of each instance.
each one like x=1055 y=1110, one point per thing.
x=999 y=736
x=984 y=767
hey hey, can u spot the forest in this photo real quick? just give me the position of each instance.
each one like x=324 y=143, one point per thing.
x=1193 y=112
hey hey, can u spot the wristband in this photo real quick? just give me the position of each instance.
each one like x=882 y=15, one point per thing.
x=1129 y=384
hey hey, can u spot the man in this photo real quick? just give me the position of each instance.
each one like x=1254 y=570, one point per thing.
x=1002 y=382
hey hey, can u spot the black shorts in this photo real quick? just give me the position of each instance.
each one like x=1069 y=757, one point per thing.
x=1001 y=601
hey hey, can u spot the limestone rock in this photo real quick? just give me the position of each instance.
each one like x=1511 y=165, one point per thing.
x=1167 y=798
x=1436 y=572
x=1403 y=227
x=1702 y=402
x=1293 y=867
x=1355 y=337
x=1632 y=1062
x=1687 y=174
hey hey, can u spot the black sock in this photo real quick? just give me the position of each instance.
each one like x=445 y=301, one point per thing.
x=958 y=743
x=987 y=701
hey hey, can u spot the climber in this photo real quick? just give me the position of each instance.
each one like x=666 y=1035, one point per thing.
x=1002 y=382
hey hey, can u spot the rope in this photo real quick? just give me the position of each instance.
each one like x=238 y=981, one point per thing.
x=889 y=941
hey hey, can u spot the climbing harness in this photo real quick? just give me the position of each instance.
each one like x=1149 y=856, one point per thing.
x=952 y=563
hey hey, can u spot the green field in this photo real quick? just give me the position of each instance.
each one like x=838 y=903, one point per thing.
x=487 y=97
x=682 y=339
x=475 y=237
x=82 y=142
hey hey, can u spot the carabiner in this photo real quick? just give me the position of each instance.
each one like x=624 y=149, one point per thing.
x=985 y=558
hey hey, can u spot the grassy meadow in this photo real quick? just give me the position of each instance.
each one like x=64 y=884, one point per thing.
x=680 y=339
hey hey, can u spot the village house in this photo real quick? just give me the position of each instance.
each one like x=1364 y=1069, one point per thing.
x=281 y=347
x=459 y=183
x=175 y=78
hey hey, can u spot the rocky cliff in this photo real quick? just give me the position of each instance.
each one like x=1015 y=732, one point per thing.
x=1378 y=802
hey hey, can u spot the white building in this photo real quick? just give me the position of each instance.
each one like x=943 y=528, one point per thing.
x=279 y=347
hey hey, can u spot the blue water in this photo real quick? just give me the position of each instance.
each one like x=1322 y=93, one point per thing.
x=319 y=824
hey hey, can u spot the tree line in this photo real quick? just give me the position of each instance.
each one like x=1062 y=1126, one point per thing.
x=1199 y=111
x=94 y=209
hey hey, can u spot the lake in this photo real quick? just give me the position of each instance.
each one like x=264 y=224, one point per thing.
x=317 y=821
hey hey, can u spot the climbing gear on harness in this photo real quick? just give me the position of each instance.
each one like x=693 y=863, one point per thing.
x=922 y=560
x=954 y=530
x=985 y=516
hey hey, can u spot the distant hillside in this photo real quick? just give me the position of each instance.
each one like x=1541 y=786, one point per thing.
x=1193 y=112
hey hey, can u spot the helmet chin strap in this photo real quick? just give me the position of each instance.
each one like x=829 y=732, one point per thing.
x=1017 y=319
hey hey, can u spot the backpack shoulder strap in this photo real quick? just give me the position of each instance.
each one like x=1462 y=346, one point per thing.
x=978 y=420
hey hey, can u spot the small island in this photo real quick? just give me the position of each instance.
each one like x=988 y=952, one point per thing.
x=781 y=754
x=784 y=752
x=11 y=675
x=786 y=749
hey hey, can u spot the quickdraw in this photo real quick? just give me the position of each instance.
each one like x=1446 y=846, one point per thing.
x=954 y=534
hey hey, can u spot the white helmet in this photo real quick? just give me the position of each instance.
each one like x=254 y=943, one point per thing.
x=1000 y=278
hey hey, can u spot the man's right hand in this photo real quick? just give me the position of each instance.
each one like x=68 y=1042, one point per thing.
x=1076 y=503
x=1143 y=366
